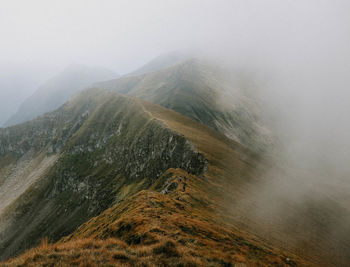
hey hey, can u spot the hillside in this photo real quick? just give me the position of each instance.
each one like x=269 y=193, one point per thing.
x=97 y=162
x=202 y=91
x=137 y=153
x=56 y=91
x=151 y=229
x=99 y=176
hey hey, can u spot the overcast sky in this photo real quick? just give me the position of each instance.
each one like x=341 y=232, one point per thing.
x=124 y=34
x=117 y=34
x=301 y=46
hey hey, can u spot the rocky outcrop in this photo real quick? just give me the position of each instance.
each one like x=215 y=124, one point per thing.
x=107 y=147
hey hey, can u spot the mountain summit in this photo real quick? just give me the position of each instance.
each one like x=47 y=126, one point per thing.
x=206 y=93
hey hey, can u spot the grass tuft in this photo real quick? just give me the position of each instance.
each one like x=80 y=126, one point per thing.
x=168 y=249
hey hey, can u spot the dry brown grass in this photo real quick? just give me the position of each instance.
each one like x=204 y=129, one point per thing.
x=178 y=229
x=151 y=229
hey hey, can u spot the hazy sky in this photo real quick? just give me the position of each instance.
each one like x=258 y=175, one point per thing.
x=301 y=46
x=117 y=34
x=124 y=34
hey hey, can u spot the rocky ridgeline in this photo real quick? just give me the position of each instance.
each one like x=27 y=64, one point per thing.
x=109 y=147
x=53 y=129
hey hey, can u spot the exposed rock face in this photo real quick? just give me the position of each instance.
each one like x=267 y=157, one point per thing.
x=106 y=147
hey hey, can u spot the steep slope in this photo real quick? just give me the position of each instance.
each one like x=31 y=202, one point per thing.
x=152 y=229
x=315 y=228
x=205 y=93
x=101 y=147
x=56 y=91
x=205 y=225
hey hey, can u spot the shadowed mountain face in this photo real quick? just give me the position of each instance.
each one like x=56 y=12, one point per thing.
x=100 y=150
x=205 y=93
x=56 y=91
x=89 y=154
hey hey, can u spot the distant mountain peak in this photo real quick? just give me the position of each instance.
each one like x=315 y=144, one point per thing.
x=57 y=90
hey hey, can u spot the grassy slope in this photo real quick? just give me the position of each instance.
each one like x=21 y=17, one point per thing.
x=305 y=227
x=151 y=229
x=194 y=88
x=108 y=148
x=189 y=228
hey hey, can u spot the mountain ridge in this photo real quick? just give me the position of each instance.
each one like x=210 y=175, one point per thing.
x=74 y=169
x=194 y=88
x=104 y=167
x=197 y=213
